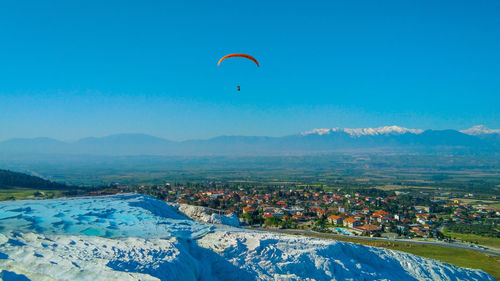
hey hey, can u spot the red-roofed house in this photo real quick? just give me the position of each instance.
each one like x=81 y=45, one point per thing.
x=333 y=219
x=351 y=222
x=320 y=213
x=248 y=210
x=368 y=228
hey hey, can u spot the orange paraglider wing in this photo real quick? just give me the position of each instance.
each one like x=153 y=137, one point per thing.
x=240 y=56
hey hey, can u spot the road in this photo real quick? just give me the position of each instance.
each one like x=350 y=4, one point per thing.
x=332 y=236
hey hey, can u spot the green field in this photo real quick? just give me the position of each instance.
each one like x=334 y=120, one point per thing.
x=466 y=173
x=481 y=240
x=20 y=193
x=458 y=257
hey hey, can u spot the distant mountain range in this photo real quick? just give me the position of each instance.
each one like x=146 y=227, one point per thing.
x=383 y=139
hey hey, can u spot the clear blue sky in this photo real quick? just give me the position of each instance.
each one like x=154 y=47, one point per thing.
x=71 y=69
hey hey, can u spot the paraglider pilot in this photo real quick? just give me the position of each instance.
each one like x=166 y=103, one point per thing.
x=241 y=56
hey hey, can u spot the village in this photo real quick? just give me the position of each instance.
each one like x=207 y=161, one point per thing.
x=364 y=212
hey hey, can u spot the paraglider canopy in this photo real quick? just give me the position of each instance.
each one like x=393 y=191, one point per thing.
x=240 y=56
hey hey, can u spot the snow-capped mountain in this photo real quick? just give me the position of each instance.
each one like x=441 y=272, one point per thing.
x=385 y=130
x=479 y=130
x=136 y=237
x=382 y=139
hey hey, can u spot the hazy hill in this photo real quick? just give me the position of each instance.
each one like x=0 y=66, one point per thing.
x=13 y=179
x=383 y=139
x=123 y=144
